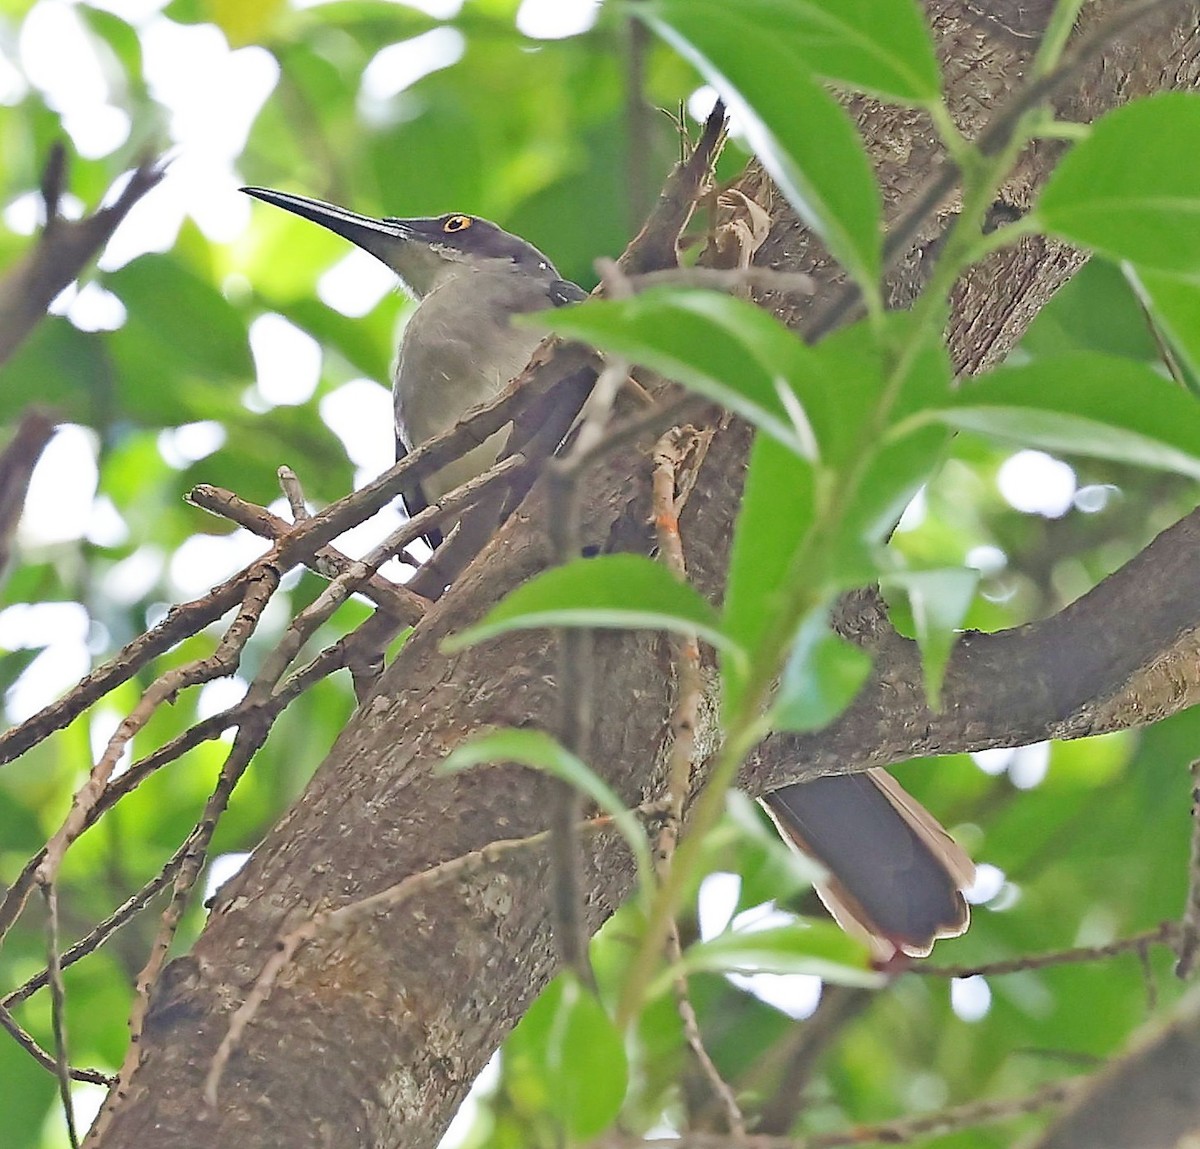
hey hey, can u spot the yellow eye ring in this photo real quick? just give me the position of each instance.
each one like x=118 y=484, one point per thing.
x=454 y=223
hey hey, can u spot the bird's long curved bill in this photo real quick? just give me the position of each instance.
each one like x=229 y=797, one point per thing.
x=373 y=235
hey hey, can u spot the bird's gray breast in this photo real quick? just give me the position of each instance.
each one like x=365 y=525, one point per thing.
x=459 y=350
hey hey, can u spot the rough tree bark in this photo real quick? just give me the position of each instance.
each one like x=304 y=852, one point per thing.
x=372 y=1038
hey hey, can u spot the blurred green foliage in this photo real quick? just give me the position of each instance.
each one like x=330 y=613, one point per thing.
x=535 y=134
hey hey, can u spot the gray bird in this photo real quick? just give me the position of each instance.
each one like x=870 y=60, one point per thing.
x=458 y=350
x=893 y=874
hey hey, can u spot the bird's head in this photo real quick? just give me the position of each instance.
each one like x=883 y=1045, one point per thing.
x=423 y=252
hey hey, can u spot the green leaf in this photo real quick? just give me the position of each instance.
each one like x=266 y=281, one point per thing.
x=877 y=46
x=723 y=348
x=853 y=381
x=823 y=675
x=1095 y=311
x=62 y=368
x=1131 y=189
x=178 y=318
x=775 y=516
x=572 y=1059
x=618 y=592
x=939 y=600
x=1174 y=305
x=901 y=463
x=1085 y=404
x=803 y=136
x=809 y=947
x=539 y=751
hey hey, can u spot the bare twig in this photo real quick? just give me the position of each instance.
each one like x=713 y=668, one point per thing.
x=967 y=1116
x=58 y=1012
x=96 y=937
x=655 y=246
x=193 y=852
x=670 y=454
x=398 y=601
x=222 y=661
x=790 y=1064
x=357 y=572
x=46 y=1060
x=897 y=1132
x=180 y=622
x=289 y=483
x=575 y=680
x=1166 y=933
x=331 y=659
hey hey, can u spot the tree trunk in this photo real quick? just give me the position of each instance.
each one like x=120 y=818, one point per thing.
x=373 y=1036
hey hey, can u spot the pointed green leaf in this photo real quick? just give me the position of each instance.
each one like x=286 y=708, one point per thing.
x=881 y=47
x=809 y=947
x=723 y=348
x=1086 y=404
x=1174 y=305
x=539 y=751
x=1131 y=189
x=823 y=675
x=802 y=135
x=570 y=1059
x=775 y=516
x=617 y=592
x=895 y=472
x=1095 y=311
x=939 y=600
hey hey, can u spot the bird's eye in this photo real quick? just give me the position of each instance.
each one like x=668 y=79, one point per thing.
x=456 y=223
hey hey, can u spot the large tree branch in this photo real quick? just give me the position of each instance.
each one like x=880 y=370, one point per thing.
x=372 y=1037
x=1124 y=654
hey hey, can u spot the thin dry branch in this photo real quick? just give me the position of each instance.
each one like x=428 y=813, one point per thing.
x=330 y=660
x=180 y=622
x=293 y=491
x=96 y=937
x=222 y=661
x=790 y=1064
x=58 y=1013
x=671 y=453
x=898 y=1132
x=359 y=571
x=397 y=601
x=1166 y=933
x=47 y=1060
